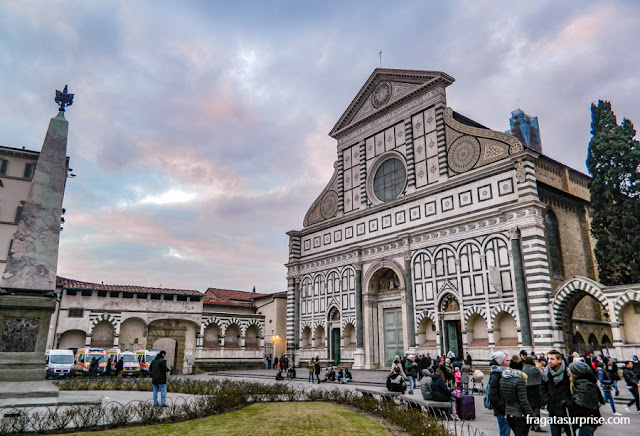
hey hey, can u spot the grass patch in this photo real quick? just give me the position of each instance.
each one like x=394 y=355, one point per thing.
x=308 y=418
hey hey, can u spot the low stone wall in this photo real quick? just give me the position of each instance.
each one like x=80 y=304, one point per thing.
x=212 y=365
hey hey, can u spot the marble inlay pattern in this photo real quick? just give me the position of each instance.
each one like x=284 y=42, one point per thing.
x=19 y=335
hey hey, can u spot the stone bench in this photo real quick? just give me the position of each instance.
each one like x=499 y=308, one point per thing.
x=382 y=393
x=429 y=406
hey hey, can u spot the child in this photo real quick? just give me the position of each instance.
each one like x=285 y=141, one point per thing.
x=458 y=378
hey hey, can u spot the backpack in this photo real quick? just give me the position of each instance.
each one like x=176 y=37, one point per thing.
x=486 y=401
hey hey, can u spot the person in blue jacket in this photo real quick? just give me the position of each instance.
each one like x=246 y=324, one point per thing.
x=439 y=389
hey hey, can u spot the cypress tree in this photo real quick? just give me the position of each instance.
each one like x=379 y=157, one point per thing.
x=614 y=163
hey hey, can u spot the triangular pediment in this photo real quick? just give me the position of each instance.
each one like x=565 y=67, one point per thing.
x=384 y=89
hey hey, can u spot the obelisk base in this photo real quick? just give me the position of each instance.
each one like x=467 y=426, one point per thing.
x=24 y=326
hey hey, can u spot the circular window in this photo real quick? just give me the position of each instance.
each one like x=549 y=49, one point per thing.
x=389 y=180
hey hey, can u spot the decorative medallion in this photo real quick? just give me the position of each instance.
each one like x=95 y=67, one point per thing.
x=399 y=134
x=515 y=148
x=389 y=138
x=433 y=169
x=329 y=205
x=419 y=149
x=381 y=94
x=463 y=154
x=432 y=143
x=356 y=155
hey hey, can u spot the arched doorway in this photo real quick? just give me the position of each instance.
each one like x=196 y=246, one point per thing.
x=578 y=308
x=334 y=340
x=132 y=332
x=72 y=340
x=211 y=336
x=102 y=335
x=171 y=347
x=451 y=325
x=629 y=317
x=176 y=331
x=385 y=336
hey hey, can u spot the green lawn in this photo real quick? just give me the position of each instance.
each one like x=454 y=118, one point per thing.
x=268 y=419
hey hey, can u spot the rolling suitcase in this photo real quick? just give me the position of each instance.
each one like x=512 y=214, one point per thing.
x=466 y=407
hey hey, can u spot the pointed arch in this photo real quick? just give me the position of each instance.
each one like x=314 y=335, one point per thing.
x=425 y=314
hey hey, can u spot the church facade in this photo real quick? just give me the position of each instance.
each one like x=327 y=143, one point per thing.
x=436 y=233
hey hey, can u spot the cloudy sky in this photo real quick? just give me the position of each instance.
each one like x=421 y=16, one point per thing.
x=199 y=129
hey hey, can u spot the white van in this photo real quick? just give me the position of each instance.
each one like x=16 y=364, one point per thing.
x=145 y=357
x=84 y=357
x=130 y=364
x=59 y=363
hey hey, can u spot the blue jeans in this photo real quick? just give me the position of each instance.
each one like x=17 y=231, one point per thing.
x=163 y=394
x=310 y=377
x=608 y=397
x=587 y=430
x=503 y=425
x=412 y=384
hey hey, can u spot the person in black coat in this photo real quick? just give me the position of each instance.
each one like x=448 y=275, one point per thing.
x=513 y=391
x=555 y=389
x=395 y=381
x=119 y=366
x=586 y=398
x=159 y=372
x=439 y=389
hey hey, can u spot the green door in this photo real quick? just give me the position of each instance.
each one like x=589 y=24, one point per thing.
x=335 y=346
x=453 y=335
x=392 y=334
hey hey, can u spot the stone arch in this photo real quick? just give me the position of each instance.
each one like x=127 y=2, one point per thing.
x=503 y=308
x=211 y=336
x=629 y=319
x=477 y=328
x=489 y=238
x=227 y=322
x=568 y=290
x=252 y=336
x=348 y=320
x=419 y=252
x=385 y=264
x=103 y=334
x=212 y=320
x=132 y=333
x=332 y=310
x=628 y=295
x=458 y=251
x=427 y=332
x=505 y=329
x=71 y=339
x=475 y=309
x=306 y=336
x=320 y=334
x=258 y=324
x=232 y=333
x=425 y=314
x=113 y=319
x=349 y=335
x=447 y=293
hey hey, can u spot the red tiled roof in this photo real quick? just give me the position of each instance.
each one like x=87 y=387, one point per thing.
x=232 y=295
x=226 y=302
x=75 y=284
x=275 y=295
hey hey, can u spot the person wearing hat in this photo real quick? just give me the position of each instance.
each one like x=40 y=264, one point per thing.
x=425 y=384
x=397 y=363
x=411 y=370
x=586 y=397
x=499 y=362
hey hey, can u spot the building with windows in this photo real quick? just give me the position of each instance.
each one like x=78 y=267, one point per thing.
x=436 y=233
x=17 y=166
x=219 y=329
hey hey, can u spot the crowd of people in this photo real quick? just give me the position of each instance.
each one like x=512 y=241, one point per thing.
x=332 y=374
x=521 y=385
x=570 y=388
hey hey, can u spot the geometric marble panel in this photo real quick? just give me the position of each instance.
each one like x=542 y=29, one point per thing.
x=484 y=193
x=505 y=187
x=465 y=198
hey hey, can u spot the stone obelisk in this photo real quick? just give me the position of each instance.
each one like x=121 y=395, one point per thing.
x=27 y=287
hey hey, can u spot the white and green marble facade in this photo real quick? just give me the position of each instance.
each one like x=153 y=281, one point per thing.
x=469 y=205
